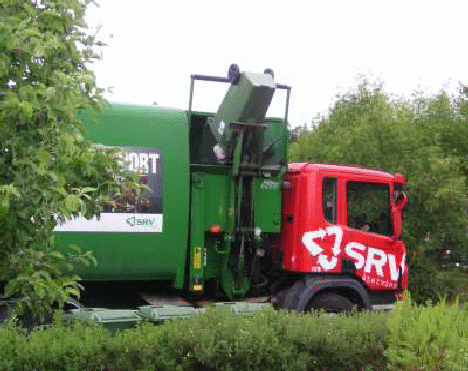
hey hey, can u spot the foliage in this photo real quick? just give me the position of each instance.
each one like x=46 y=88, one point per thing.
x=428 y=338
x=426 y=282
x=423 y=138
x=217 y=340
x=48 y=171
x=410 y=338
x=456 y=283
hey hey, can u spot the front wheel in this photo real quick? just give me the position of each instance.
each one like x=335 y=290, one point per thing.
x=330 y=303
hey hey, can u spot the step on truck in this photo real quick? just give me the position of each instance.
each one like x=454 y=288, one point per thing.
x=227 y=219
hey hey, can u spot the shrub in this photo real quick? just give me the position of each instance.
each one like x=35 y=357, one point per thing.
x=217 y=340
x=428 y=338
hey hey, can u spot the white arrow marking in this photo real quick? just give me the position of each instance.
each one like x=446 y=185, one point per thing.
x=338 y=232
x=308 y=241
x=327 y=264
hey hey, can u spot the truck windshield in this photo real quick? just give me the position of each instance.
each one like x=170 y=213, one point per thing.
x=368 y=207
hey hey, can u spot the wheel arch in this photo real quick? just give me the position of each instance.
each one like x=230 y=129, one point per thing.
x=349 y=288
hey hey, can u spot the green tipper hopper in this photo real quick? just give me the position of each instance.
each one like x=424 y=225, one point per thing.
x=246 y=101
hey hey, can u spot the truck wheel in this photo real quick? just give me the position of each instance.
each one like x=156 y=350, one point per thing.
x=293 y=294
x=279 y=299
x=331 y=303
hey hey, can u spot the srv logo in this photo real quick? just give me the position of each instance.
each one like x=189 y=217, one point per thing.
x=327 y=262
x=364 y=257
x=132 y=222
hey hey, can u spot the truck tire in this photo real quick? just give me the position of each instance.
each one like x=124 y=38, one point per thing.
x=331 y=303
x=279 y=298
x=293 y=294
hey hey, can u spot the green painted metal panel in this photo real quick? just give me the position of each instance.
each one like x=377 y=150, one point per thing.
x=215 y=255
x=217 y=192
x=197 y=233
x=267 y=204
x=275 y=144
x=210 y=206
x=152 y=247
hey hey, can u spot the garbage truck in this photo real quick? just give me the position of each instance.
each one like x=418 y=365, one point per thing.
x=226 y=218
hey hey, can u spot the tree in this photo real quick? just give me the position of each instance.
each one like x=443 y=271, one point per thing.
x=343 y=136
x=48 y=170
x=425 y=139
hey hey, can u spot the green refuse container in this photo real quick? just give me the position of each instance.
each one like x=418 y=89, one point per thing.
x=242 y=307
x=160 y=313
x=112 y=319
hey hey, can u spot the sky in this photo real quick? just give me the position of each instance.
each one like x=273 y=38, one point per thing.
x=319 y=48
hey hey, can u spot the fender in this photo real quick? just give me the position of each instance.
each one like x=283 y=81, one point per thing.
x=314 y=285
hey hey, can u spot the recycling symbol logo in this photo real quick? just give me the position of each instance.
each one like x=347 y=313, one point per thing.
x=327 y=262
x=131 y=221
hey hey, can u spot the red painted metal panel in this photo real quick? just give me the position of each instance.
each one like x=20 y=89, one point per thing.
x=312 y=244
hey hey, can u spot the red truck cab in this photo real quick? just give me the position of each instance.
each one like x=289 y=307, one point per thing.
x=344 y=223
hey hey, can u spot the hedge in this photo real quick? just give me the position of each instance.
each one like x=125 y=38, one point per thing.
x=409 y=338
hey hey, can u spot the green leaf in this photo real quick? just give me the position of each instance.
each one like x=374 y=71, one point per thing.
x=73 y=203
x=88 y=190
x=83 y=207
x=4 y=206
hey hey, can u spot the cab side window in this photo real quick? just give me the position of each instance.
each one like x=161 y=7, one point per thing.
x=329 y=199
x=369 y=207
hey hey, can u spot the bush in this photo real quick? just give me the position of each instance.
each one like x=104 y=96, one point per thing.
x=425 y=283
x=411 y=338
x=429 y=283
x=218 y=340
x=268 y=340
x=428 y=338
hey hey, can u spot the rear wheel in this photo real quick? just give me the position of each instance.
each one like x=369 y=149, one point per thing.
x=331 y=303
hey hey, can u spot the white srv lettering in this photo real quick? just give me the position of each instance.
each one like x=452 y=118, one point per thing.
x=365 y=257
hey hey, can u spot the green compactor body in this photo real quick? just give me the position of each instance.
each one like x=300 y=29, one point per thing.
x=214 y=205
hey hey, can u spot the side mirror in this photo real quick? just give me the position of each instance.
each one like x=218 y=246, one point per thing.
x=401 y=200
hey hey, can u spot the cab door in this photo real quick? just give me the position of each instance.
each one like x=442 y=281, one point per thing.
x=347 y=227
x=369 y=247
